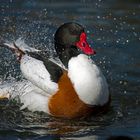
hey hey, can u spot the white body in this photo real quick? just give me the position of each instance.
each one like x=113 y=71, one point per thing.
x=88 y=80
x=29 y=95
x=35 y=92
x=34 y=70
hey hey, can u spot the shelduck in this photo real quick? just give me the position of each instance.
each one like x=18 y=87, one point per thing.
x=74 y=87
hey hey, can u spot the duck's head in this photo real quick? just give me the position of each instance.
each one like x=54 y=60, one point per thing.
x=71 y=40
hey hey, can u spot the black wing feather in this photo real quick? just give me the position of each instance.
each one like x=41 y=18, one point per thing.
x=54 y=70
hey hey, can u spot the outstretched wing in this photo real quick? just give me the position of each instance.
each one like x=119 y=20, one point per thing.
x=36 y=66
x=20 y=45
x=35 y=71
x=55 y=68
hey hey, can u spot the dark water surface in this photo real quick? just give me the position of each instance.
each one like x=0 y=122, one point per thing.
x=113 y=31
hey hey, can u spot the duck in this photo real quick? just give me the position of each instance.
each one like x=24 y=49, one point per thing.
x=71 y=87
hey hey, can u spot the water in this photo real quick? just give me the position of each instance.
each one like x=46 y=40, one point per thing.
x=113 y=31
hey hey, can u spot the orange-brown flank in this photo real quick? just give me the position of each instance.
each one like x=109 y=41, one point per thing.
x=66 y=103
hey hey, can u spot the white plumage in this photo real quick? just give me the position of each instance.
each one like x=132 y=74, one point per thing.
x=88 y=81
x=35 y=71
x=28 y=94
x=21 y=45
x=34 y=93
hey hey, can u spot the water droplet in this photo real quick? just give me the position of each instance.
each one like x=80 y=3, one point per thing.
x=125 y=92
x=125 y=83
x=114 y=19
x=121 y=82
x=135 y=34
x=134 y=13
x=101 y=29
x=104 y=44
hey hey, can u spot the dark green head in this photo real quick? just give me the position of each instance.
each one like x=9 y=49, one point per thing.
x=69 y=39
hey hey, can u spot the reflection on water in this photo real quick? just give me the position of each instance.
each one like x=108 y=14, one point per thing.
x=113 y=30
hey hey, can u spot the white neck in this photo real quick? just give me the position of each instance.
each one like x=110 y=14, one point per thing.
x=88 y=80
